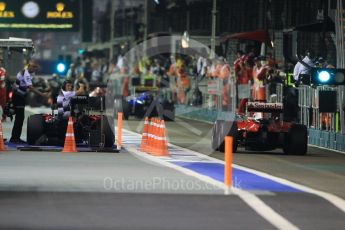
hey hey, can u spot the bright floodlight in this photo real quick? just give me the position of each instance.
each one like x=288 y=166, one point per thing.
x=324 y=76
x=185 y=40
x=61 y=67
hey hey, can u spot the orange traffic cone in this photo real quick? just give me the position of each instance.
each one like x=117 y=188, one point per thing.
x=149 y=136
x=155 y=141
x=144 y=138
x=152 y=135
x=164 y=143
x=2 y=144
x=70 y=146
x=161 y=146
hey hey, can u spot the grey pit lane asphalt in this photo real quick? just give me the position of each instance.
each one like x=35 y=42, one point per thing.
x=49 y=210
x=125 y=211
x=93 y=172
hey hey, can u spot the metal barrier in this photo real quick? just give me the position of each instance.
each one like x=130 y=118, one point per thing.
x=308 y=102
x=325 y=129
x=341 y=106
x=304 y=103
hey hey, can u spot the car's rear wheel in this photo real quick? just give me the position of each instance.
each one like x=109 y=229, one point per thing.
x=140 y=111
x=109 y=137
x=296 y=140
x=220 y=130
x=35 y=128
x=126 y=109
x=168 y=110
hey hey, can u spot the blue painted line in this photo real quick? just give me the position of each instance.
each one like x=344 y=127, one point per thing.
x=241 y=179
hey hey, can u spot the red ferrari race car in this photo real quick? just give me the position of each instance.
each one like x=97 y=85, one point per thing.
x=264 y=130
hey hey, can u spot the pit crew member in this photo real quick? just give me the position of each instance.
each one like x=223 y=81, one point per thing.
x=22 y=85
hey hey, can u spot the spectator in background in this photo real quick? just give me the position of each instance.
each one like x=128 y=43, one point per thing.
x=112 y=67
x=182 y=82
x=201 y=66
x=72 y=72
x=322 y=63
x=303 y=67
x=238 y=63
x=271 y=62
x=104 y=65
x=120 y=62
x=96 y=75
x=86 y=66
x=3 y=95
x=246 y=70
x=81 y=80
x=159 y=71
x=259 y=77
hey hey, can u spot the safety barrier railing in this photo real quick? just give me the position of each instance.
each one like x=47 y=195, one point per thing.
x=310 y=115
x=304 y=103
x=341 y=106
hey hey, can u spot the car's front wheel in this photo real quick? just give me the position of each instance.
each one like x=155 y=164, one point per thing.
x=220 y=130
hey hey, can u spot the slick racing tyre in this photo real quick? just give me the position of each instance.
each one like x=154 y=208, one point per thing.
x=125 y=109
x=109 y=137
x=296 y=140
x=35 y=128
x=220 y=130
x=168 y=111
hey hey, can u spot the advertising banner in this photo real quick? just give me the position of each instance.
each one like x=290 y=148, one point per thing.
x=53 y=15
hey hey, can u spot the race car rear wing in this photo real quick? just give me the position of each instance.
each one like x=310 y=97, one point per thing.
x=265 y=107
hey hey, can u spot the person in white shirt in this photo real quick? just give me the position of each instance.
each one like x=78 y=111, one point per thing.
x=64 y=98
x=304 y=67
x=201 y=66
x=21 y=87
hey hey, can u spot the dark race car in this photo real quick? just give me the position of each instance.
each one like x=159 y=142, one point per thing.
x=91 y=124
x=148 y=104
x=265 y=130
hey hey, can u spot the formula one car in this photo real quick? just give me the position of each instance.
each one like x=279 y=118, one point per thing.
x=91 y=126
x=147 y=104
x=265 y=132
